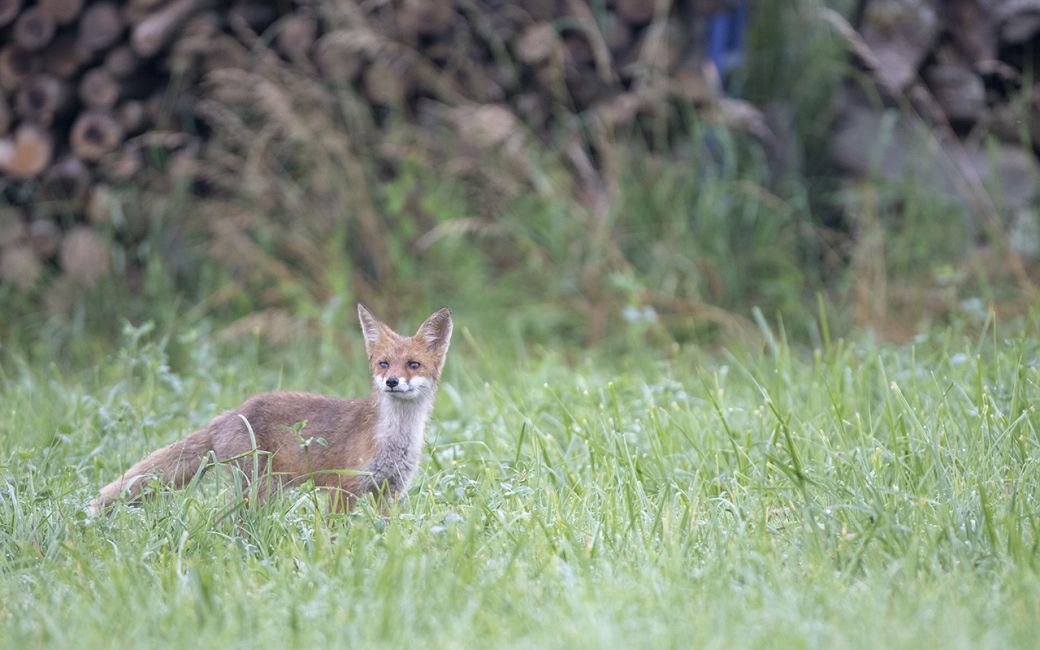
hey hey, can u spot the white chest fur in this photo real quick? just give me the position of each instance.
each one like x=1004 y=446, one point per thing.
x=399 y=436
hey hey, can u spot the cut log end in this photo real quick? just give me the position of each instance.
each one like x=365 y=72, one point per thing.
x=9 y=11
x=16 y=65
x=64 y=11
x=12 y=226
x=20 y=267
x=45 y=237
x=42 y=97
x=34 y=28
x=66 y=180
x=99 y=89
x=297 y=36
x=100 y=26
x=635 y=12
x=253 y=14
x=27 y=153
x=85 y=255
x=337 y=61
x=94 y=134
x=5 y=115
x=64 y=57
x=156 y=31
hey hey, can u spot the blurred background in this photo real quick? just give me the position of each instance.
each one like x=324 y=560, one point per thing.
x=575 y=172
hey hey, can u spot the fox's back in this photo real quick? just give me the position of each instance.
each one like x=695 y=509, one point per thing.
x=303 y=432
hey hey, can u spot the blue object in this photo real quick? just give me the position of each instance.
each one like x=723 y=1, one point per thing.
x=726 y=39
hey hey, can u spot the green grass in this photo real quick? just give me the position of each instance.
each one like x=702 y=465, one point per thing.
x=857 y=495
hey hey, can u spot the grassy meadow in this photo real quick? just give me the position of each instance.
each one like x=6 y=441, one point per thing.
x=852 y=494
x=697 y=401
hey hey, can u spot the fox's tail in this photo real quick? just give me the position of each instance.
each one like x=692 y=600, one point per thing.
x=174 y=465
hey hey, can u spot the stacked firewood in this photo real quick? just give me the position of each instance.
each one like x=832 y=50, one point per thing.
x=949 y=101
x=81 y=83
x=90 y=90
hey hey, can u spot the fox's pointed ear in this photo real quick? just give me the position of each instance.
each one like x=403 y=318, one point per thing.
x=435 y=332
x=371 y=327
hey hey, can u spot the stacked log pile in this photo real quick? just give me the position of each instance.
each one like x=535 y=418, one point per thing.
x=951 y=104
x=91 y=90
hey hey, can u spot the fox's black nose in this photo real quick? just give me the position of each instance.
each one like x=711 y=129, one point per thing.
x=392 y=381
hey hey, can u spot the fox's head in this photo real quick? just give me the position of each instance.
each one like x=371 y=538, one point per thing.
x=406 y=367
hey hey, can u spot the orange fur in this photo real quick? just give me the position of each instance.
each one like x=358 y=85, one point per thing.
x=360 y=446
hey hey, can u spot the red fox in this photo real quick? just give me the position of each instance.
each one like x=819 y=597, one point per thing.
x=369 y=445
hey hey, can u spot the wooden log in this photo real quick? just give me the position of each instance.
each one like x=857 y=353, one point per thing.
x=195 y=41
x=41 y=97
x=100 y=26
x=969 y=26
x=121 y=61
x=440 y=51
x=134 y=13
x=635 y=12
x=98 y=88
x=44 y=237
x=900 y=33
x=697 y=82
x=296 y=36
x=156 y=109
x=184 y=161
x=9 y=11
x=538 y=44
x=1019 y=20
x=94 y=134
x=64 y=11
x=423 y=18
x=202 y=25
x=20 y=267
x=157 y=30
x=85 y=255
x=542 y=9
x=6 y=117
x=12 y=225
x=225 y=51
x=16 y=65
x=27 y=152
x=386 y=83
x=486 y=127
x=958 y=90
x=339 y=62
x=618 y=36
x=578 y=51
x=145 y=5
x=64 y=57
x=255 y=15
x=34 y=28
x=66 y=180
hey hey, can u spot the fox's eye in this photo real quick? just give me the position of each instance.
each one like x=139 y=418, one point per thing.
x=414 y=365
x=384 y=364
